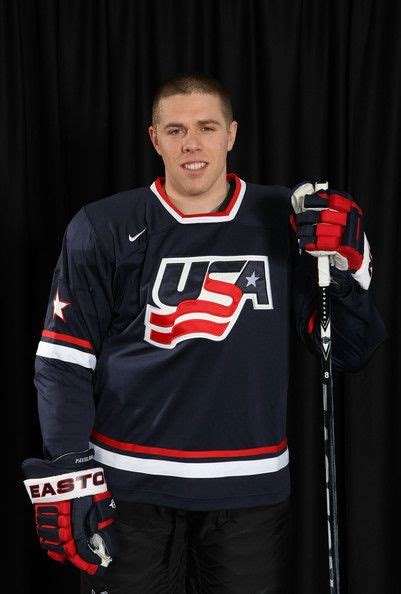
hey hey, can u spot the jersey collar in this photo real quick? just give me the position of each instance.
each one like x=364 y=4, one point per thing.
x=208 y=217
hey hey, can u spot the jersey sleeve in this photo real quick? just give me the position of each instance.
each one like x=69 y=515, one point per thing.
x=77 y=319
x=357 y=328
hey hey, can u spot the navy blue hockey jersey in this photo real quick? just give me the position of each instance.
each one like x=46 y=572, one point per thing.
x=166 y=342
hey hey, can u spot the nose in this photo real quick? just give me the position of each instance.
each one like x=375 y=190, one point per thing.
x=191 y=142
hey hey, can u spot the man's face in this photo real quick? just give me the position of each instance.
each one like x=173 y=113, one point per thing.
x=184 y=133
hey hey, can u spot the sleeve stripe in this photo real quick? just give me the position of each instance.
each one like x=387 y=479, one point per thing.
x=68 y=354
x=68 y=338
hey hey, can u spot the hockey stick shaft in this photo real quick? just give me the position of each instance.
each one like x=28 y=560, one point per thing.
x=328 y=417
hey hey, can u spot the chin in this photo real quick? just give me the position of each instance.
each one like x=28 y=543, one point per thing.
x=197 y=182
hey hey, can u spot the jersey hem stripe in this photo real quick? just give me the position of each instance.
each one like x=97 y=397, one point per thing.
x=190 y=469
x=133 y=447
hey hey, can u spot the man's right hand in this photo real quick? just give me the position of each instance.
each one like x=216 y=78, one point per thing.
x=74 y=511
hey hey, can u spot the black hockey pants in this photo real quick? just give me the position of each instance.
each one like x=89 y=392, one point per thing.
x=171 y=551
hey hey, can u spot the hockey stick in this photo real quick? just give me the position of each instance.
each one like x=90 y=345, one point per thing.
x=328 y=416
x=328 y=395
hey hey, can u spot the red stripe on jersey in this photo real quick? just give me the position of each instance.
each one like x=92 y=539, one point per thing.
x=68 y=338
x=188 y=327
x=134 y=447
x=230 y=176
x=196 y=306
x=104 y=524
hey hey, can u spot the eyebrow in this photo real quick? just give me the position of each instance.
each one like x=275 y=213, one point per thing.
x=178 y=125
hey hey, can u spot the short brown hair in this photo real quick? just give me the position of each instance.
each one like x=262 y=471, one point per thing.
x=195 y=82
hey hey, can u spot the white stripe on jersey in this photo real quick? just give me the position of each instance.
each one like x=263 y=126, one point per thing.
x=202 y=219
x=68 y=354
x=190 y=469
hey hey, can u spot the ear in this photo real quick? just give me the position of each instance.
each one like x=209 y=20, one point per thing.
x=154 y=138
x=232 y=134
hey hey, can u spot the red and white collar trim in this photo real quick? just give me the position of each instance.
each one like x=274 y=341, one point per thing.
x=207 y=217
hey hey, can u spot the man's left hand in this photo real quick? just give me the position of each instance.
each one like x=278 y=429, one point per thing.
x=329 y=223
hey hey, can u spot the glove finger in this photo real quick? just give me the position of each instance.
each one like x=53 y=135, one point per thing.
x=55 y=547
x=337 y=200
x=101 y=521
x=322 y=243
x=46 y=509
x=304 y=231
x=332 y=216
x=78 y=550
x=308 y=217
x=328 y=230
x=47 y=519
x=61 y=557
x=316 y=200
x=55 y=535
x=46 y=515
x=308 y=243
x=49 y=534
x=340 y=203
x=327 y=243
x=56 y=521
x=74 y=557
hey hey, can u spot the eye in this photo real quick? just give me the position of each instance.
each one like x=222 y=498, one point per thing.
x=208 y=128
x=173 y=131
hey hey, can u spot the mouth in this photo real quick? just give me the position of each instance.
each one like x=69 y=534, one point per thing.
x=195 y=168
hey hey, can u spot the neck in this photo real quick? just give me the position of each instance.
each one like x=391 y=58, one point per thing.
x=197 y=203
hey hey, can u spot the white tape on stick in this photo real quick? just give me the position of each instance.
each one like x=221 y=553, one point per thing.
x=323 y=264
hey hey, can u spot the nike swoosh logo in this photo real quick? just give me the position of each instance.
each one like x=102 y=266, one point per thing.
x=135 y=236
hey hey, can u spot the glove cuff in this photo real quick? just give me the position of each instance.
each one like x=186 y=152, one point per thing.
x=68 y=476
x=66 y=486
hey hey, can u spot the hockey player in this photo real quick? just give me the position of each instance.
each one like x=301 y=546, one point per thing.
x=162 y=368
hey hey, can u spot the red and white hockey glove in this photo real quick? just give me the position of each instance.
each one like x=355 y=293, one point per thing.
x=329 y=223
x=74 y=511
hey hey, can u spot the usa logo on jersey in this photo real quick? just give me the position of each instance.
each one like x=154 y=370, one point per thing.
x=202 y=296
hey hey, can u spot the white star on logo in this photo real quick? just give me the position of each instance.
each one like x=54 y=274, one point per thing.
x=252 y=279
x=59 y=306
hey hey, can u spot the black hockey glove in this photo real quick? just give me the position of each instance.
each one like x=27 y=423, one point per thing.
x=74 y=511
x=329 y=222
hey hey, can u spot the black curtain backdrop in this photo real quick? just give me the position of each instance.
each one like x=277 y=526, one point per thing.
x=316 y=91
